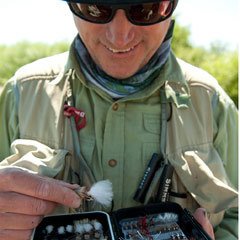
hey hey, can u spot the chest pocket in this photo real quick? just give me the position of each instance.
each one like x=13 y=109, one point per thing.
x=152 y=123
x=151 y=143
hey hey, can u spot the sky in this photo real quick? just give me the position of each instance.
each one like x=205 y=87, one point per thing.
x=51 y=21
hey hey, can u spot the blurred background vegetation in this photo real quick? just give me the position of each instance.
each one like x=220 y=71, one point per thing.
x=218 y=60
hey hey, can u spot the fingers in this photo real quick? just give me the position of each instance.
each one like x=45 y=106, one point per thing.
x=25 y=198
x=17 y=203
x=12 y=221
x=29 y=213
x=15 y=234
x=201 y=216
x=16 y=180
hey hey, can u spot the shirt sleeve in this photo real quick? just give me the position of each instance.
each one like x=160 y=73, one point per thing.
x=9 y=127
x=226 y=143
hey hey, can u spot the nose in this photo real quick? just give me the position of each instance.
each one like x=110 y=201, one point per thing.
x=120 y=32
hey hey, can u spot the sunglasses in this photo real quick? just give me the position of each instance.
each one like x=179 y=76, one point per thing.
x=142 y=14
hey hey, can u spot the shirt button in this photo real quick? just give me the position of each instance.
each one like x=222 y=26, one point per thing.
x=112 y=163
x=115 y=107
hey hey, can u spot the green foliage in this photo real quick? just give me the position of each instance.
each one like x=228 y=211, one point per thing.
x=15 y=56
x=181 y=39
x=217 y=60
x=225 y=68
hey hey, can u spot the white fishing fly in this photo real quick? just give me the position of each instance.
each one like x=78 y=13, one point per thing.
x=97 y=225
x=78 y=227
x=69 y=228
x=49 y=229
x=61 y=230
x=102 y=192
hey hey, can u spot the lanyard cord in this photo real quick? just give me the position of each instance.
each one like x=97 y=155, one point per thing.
x=163 y=133
x=163 y=124
x=83 y=167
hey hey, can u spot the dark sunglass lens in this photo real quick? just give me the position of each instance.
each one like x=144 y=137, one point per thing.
x=148 y=13
x=92 y=12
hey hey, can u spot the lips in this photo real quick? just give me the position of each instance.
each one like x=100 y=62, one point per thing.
x=120 y=50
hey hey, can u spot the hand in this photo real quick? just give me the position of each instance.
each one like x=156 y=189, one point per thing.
x=25 y=198
x=201 y=216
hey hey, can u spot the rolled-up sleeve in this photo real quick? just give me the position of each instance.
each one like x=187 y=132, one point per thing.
x=226 y=143
x=9 y=127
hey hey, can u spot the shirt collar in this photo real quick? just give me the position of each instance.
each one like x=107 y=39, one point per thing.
x=176 y=89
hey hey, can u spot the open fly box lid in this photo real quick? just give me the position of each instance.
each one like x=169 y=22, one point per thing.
x=159 y=221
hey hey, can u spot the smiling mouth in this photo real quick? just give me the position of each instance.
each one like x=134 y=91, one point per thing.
x=120 y=50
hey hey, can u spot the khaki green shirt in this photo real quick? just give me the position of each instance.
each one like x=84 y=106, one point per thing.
x=121 y=135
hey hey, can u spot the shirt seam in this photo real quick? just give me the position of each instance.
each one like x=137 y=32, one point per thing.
x=37 y=77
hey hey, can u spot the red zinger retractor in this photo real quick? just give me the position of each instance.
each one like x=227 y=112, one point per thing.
x=80 y=116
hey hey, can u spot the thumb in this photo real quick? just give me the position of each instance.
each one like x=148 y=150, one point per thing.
x=201 y=216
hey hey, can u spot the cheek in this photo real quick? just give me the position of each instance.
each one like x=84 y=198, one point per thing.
x=85 y=29
x=90 y=33
x=157 y=32
x=81 y=27
x=154 y=36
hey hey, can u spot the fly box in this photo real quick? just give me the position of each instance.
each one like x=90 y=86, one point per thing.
x=160 y=221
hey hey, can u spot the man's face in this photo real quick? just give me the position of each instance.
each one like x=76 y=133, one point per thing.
x=120 y=48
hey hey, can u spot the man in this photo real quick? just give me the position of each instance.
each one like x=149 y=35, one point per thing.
x=131 y=98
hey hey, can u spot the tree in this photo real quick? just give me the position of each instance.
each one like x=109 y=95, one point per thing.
x=14 y=56
x=218 y=61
